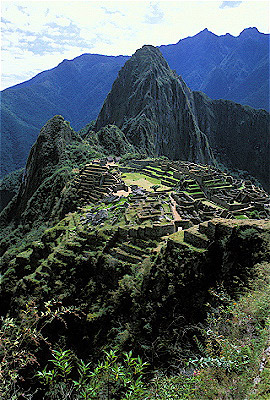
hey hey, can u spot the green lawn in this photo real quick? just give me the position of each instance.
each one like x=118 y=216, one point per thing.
x=143 y=180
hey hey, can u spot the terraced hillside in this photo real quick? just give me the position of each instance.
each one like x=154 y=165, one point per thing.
x=145 y=202
x=139 y=254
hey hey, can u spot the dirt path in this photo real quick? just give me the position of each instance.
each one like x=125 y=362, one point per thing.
x=176 y=216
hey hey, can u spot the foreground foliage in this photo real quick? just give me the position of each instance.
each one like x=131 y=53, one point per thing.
x=230 y=361
x=114 y=377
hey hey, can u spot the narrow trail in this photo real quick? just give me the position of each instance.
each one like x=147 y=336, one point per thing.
x=176 y=216
x=263 y=364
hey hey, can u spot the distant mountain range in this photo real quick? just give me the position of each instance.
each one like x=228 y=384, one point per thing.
x=75 y=89
x=227 y=67
x=224 y=67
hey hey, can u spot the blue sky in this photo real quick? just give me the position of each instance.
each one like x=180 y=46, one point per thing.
x=38 y=35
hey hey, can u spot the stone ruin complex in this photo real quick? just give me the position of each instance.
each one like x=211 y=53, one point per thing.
x=96 y=181
x=194 y=196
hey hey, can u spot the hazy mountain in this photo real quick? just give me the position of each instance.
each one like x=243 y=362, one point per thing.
x=227 y=67
x=75 y=89
x=224 y=67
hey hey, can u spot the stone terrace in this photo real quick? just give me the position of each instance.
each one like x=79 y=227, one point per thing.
x=96 y=182
x=204 y=192
x=200 y=236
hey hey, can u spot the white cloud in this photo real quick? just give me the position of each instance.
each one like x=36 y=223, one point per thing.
x=155 y=14
x=62 y=21
x=231 y=4
x=43 y=33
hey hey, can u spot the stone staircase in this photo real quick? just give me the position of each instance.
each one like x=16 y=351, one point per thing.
x=194 y=190
x=95 y=182
x=131 y=251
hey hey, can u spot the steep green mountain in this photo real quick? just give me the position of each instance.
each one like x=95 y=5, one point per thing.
x=52 y=162
x=150 y=104
x=42 y=189
x=235 y=68
x=160 y=115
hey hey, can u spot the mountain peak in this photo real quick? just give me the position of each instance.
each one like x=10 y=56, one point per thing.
x=249 y=31
x=148 y=55
x=146 y=48
x=205 y=30
x=145 y=103
x=48 y=151
x=205 y=33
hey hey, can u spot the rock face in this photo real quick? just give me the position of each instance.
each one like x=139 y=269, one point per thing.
x=239 y=135
x=48 y=154
x=145 y=101
x=160 y=115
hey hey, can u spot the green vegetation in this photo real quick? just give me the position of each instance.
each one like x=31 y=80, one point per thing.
x=232 y=343
x=145 y=181
x=155 y=315
x=224 y=348
x=112 y=377
x=241 y=216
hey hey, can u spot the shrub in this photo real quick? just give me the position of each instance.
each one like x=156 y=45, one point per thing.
x=114 y=377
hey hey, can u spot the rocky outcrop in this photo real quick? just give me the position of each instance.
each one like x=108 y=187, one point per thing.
x=239 y=135
x=145 y=101
x=46 y=168
x=48 y=152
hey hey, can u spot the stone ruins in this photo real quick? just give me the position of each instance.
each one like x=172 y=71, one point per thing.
x=188 y=198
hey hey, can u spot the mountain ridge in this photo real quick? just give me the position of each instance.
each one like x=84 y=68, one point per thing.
x=88 y=78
